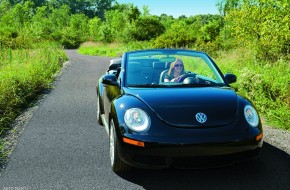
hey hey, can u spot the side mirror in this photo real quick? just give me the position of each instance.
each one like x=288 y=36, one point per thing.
x=230 y=78
x=110 y=79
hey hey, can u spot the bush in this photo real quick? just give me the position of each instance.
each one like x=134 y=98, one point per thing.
x=147 y=28
x=23 y=75
x=179 y=35
x=265 y=83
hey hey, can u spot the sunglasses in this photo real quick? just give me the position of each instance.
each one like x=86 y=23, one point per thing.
x=178 y=65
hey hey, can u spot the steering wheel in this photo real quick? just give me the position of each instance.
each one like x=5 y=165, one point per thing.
x=184 y=76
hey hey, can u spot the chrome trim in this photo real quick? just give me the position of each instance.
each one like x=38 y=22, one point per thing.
x=201 y=117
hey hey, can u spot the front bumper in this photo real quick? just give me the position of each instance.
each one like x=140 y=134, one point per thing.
x=163 y=155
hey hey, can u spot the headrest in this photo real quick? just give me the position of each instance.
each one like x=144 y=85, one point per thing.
x=167 y=66
x=159 y=65
x=133 y=67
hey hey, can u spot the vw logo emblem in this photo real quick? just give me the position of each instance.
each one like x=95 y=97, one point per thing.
x=201 y=117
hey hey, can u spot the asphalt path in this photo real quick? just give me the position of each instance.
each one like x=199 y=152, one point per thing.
x=63 y=147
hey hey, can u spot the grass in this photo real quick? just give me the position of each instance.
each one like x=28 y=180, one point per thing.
x=110 y=49
x=264 y=83
x=24 y=74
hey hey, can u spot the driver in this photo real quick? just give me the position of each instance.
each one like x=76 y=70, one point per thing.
x=176 y=69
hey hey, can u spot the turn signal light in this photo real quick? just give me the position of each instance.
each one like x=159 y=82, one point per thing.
x=133 y=142
x=259 y=137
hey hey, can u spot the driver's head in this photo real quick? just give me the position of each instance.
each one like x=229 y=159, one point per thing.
x=176 y=66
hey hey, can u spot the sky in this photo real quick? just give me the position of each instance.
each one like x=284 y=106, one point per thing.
x=176 y=8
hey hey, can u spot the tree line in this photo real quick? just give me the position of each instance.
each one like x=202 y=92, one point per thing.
x=261 y=25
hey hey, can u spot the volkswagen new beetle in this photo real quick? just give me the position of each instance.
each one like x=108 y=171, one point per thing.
x=195 y=121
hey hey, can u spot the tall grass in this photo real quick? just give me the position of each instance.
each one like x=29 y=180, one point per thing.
x=111 y=49
x=24 y=73
x=267 y=84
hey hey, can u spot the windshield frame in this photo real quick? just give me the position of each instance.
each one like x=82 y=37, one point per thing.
x=168 y=55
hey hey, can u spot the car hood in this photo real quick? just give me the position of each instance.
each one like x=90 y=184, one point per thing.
x=179 y=106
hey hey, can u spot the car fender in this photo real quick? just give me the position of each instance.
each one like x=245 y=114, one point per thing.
x=242 y=102
x=119 y=107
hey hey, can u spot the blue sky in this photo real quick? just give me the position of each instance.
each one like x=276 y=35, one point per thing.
x=176 y=8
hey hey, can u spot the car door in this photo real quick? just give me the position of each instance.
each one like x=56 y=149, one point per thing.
x=110 y=92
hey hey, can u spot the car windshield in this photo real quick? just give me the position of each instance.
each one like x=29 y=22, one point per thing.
x=170 y=68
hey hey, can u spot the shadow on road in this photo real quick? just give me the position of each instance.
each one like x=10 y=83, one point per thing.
x=271 y=170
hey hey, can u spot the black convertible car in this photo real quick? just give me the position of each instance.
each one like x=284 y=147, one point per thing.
x=174 y=108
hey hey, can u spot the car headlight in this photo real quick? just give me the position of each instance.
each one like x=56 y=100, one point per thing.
x=251 y=116
x=136 y=119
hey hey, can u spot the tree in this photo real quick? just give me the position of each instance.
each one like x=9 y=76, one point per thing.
x=166 y=20
x=77 y=31
x=147 y=28
x=90 y=8
x=178 y=35
x=262 y=25
x=13 y=23
x=102 y=6
x=41 y=24
x=94 y=29
x=224 y=6
x=114 y=27
x=145 y=11
x=129 y=11
x=182 y=17
x=211 y=31
x=60 y=19
x=36 y=3
x=119 y=22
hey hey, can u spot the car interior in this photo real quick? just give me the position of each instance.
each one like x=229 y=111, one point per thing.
x=146 y=71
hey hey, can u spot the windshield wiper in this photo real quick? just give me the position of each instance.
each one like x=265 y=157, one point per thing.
x=146 y=85
x=198 y=85
x=172 y=85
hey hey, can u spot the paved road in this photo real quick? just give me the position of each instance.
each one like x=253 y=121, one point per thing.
x=63 y=147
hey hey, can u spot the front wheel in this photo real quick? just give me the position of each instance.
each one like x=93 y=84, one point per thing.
x=116 y=163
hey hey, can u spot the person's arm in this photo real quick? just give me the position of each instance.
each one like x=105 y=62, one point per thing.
x=166 y=78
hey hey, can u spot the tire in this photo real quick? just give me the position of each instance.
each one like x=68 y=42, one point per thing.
x=116 y=163
x=99 y=113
